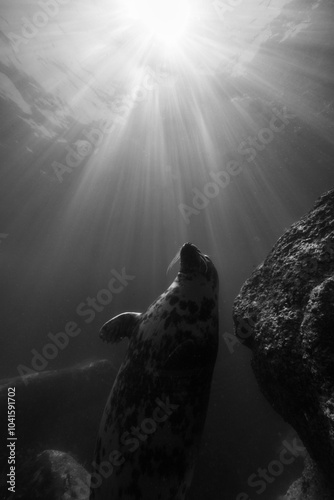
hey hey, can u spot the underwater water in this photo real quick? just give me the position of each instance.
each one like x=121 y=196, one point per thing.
x=123 y=137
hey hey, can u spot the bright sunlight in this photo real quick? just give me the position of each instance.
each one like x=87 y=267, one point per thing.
x=165 y=20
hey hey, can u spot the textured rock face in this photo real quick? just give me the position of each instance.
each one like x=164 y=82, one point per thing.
x=52 y=475
x=285 y=315
x=310 y=486
x=61 y=408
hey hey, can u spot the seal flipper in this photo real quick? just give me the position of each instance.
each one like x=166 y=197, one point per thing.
x=119 y=327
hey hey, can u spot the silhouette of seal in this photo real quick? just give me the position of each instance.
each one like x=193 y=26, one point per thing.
x=152 y=424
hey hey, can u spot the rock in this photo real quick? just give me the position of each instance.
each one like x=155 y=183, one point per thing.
x=285 y=315
x=59 y=409
x=311 y=486
x=52 y=475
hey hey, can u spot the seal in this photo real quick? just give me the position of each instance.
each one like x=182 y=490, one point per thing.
x=152 y=424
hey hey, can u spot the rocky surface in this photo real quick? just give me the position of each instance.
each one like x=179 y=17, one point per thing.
x=311 y=486
x=58 y=409
x=285 y=315
x=52 y=475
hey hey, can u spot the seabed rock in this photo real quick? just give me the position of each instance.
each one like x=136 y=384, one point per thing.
x=55 y=410
x=52 y=475
x=311 y=486
x=285 y=315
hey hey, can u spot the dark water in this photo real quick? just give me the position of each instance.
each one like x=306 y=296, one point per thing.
x=114 y=153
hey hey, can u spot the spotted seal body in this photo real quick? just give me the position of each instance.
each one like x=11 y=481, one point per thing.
x=153 y=420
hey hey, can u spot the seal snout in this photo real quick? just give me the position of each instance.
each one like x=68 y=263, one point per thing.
x=191 y=258
x=189 y=249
